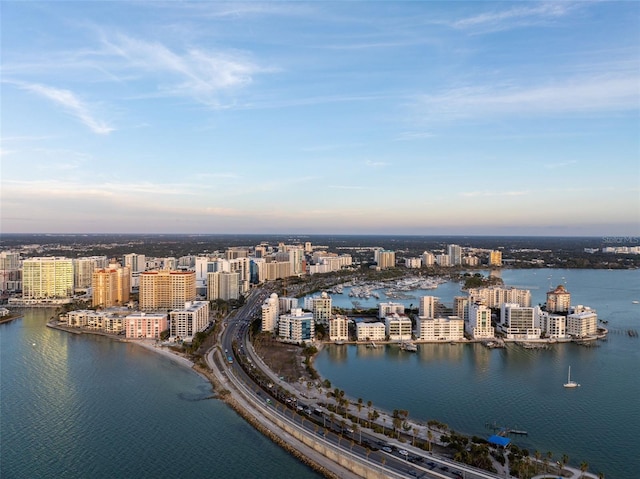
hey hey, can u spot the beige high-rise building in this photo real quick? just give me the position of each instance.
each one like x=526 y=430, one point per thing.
x=495 y=258
x=47 y=278
x=386 y=259
x=164 y=289
x=339 y=328
x=110 y=287
x=427 y=307
x=558 y=300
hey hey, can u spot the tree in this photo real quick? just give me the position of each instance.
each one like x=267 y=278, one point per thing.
x=415 y=433
x=429 y=438
x=583 y=468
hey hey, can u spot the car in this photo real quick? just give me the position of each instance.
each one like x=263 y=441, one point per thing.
x=403 y=452
x=387 y=449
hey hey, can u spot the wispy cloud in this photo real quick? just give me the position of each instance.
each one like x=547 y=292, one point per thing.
x=346 y=187
x=195 y=73
x=522 y=15
x=376 y=164
x=414 y=135
x=71 y=103
x=595 y=94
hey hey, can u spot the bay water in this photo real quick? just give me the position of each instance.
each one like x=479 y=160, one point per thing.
x=472 y=388
x=84 y=406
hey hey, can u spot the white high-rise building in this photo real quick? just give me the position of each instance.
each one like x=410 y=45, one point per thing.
x=83 y=269
x=518 y=322
x=455 y=254
x=385 y=309
x=428 y=259
x=582 y=322
x=270 y=313
x=47 y=278
x=339 y=328
x=320 y=306
x=185 y=323
x=443 y=260
x=553 y=326
x=427 y=307
x=479 y=324
x=495 y=297
x=296 y=327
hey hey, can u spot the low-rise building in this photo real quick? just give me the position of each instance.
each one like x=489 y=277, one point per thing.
x=582 y=322
x=553 y=326
x=386 y=309
x=141 y=325
x=370 y=331
x=479 y=324
x=440 y=329
x=398 y=328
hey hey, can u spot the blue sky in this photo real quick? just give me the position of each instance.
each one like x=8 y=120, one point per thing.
x=321 y=117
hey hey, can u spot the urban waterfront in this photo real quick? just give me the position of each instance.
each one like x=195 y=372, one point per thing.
x=78 y=406
x=469 y=386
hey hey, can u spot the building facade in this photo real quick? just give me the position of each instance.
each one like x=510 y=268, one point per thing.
x=440 y=329
x=164 y=290
x=370 y=331
x=296 y=327
x=184 y=323
x=142 y=325
x=47 y=278
x=479 y=324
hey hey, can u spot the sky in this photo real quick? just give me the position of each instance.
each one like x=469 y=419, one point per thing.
x=408 y=118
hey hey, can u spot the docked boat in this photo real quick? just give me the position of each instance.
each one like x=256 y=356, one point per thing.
x=410 y=347
x=570 y=383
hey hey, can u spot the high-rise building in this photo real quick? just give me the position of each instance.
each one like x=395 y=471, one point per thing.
x=495 y=258
x=427 y=308
x=553 y=326
x=398 y=327
x=428 y=259
x=385 y=309
x=83 y=269
x=455 y=254
x=270 y=313
x=185 y=322
x=320 y=306
x=519 y=322
x=296 y=327
x=558 y=300
x=441 y=329
x=479 y=324
x=386 y=259
x=495 y=297
x=110 y=287
x=47 y=278
x=166 y=289
x=339 y=328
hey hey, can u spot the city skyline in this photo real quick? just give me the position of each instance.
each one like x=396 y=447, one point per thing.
x=425 y=118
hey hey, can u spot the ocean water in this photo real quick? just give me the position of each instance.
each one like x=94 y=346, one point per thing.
x=470 y=387
x=86 y=406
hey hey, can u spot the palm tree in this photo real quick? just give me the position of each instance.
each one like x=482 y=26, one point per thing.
x=384 y=421
x=415 y=433
x=546 y=462
x=429 y=438
x=583 y=468
x=537 y=456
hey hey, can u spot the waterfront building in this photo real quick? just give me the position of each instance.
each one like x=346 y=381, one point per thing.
x=455 y=254
x=184 y=323
x=427 y=307
x=141 y=325
x=461 y=307
x=495 y=258
x=163 y=290
x=47 y=278
x=582 y=322
x=320 y=306
x=479 y=324
x=470 y=261
x=83 y=269
x=398 y=327
x=385 y=259
x=270 y=313
x=428 y=259
x=110 y=287
x=10 y=272
x=103 y=321
x=296 y=327
x=412 y=262
x=339 y=328
x=272 y=270
x=518 y=322
x=324 y=262
x=385 y=309
x=553 y=326
x=370 y=331
x=558 y=300
x=443 y=260
x=440 y=329
x=495 y=297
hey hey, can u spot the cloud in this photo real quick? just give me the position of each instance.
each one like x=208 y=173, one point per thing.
x=376 y=164
x=515 y=17
x=414 y=135
x=195 y=73
x=346 y=187
x=71 y=104
x=594 y=94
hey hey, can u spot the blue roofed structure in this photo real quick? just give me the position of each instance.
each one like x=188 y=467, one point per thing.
x=499 y=441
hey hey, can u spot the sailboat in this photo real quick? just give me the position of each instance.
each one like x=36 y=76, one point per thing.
x=570 y=383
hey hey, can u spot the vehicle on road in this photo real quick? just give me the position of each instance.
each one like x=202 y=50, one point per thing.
x=403 y=452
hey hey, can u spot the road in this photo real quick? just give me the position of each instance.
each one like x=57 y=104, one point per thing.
x=268 y=393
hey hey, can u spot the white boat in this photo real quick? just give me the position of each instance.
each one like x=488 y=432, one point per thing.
x=410 y=347
x=570 y=383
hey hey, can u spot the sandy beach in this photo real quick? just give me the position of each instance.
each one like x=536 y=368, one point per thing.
x=151 y=345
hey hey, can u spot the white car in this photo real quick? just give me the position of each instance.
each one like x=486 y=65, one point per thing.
x=403 y=452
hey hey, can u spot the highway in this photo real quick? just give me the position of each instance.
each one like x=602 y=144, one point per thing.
x=267 y=393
